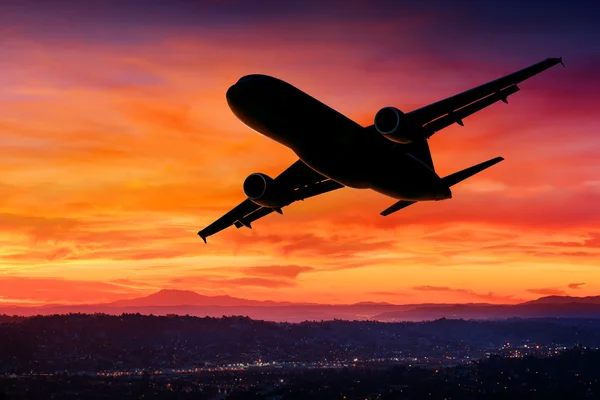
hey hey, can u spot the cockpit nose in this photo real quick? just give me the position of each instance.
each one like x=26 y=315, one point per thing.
x=231 y=93
x=249 y=85
x=243 y=85
x=248 y=79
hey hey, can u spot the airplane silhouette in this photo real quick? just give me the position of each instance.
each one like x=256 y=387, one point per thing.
x=390 y=157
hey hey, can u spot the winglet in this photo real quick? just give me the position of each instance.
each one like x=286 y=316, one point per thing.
x=278 y=210
x=561 y=61
x=202 y=236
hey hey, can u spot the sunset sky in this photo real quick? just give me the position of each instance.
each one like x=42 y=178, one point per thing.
x=118 y=146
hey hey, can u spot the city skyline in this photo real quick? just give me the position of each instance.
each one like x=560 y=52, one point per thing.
x=118 y=145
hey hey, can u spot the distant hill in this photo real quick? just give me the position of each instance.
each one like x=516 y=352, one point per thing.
x=186 y=302
x=171 y=297
x=495 y=311
x=565 y=300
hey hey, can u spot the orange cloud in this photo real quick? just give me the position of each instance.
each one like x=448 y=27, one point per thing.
x=59 y=290
x=575 y=285
x=398 y=294
x=468 y=293
x=212 y=280
x=287 y=271
x=548 y=291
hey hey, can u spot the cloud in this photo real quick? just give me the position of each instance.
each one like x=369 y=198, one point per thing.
x=260 y=282
x=575 y=285
x=285 y=271
x=216 y=281
x=591 y=241
x=548 y=291
x=428 y=288
x=58 y=290
x=134 y=284
x=467 y=293
x=399 y=293
x=312 y=245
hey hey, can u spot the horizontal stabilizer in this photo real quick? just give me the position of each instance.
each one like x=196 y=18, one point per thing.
x=460 y=176
x=449 y=180
x=399 y=205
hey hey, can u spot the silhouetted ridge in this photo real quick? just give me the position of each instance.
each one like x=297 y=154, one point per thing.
x=173 y=297
x=566 y=300
x=187 y=302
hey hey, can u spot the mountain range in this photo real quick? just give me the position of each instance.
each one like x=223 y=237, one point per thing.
x=168 y=301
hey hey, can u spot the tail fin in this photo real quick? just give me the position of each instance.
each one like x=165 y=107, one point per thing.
x=449 y=180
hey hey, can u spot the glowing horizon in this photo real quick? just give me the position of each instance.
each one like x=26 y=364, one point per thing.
x=118 y=146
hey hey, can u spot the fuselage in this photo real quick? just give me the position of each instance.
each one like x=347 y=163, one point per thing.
x=331 y=143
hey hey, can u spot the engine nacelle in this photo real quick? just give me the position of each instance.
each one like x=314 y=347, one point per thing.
x=263 y=190
x=394 y=125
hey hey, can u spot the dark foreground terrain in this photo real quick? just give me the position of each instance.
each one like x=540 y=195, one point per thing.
x=572 y=374
x=80 y=343
x=79 y=356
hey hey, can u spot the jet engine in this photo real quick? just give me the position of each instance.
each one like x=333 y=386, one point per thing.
x=263 y=190
x=394 y=125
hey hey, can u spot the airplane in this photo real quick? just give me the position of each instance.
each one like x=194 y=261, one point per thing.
x=391 y=156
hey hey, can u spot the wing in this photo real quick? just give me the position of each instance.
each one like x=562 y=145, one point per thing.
x=443 y=113
x=299 y=180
